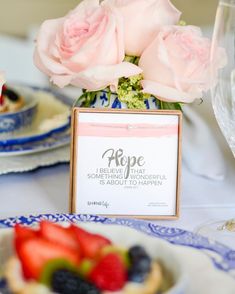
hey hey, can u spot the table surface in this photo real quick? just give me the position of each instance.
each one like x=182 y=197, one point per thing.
x=46 y=190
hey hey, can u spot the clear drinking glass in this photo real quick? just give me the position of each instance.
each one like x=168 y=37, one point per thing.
x=223 y=101
x=223 y=95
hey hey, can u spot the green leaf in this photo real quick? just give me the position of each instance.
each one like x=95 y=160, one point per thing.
x=170 y=106
x=80 y=100
x=86 y=99
x=109 y=93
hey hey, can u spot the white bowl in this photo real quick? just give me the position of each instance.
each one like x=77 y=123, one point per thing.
x=125 y=237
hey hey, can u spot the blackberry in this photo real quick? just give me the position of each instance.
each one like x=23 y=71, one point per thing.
x=66 y=282
x=12 y=95
x=140 y=264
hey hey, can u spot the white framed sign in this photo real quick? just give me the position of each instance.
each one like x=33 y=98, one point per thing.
x=126 y=163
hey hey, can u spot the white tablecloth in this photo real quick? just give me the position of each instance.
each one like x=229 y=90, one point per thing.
x=46 y=190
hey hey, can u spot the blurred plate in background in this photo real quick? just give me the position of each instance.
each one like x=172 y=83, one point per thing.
x=50 y=128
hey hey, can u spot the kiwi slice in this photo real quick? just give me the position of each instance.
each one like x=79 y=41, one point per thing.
x=85 y=267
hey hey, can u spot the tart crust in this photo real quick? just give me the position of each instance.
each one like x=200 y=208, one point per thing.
x=11 y=106
x=16 y=282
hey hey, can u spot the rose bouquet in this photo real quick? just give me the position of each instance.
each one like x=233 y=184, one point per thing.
x=135 y=48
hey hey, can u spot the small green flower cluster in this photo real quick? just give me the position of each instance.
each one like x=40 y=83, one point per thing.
x=130 y=92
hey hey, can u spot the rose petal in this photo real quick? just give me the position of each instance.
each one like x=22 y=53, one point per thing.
x=99 y=77
x=155 y=63
x=82 y=45
x=177 y=64
x=168 y=94
x=142 y=20
x=42 y=59
x=86 y=4
x=61 y=80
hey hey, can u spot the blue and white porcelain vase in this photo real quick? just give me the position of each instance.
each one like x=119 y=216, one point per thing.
x=104 y=99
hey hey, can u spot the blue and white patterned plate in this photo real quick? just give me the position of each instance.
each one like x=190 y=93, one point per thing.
x=55 y=140
x=222 y=256
x=186 y=254
x=25 y=138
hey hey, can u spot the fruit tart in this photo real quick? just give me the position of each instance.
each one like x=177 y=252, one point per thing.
x=57 y=259
x=10 y=100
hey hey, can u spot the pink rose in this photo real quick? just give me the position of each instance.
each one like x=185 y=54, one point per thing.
x=177 y=66
x=84 y=48
x=2 y=81
x=142 y=20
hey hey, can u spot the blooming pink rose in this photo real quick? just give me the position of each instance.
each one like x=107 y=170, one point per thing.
x=2 y=81
x=177 y=66
x=84 y=48
x=142 y=20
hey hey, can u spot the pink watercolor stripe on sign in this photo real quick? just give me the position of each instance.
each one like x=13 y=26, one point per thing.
x=126 y=130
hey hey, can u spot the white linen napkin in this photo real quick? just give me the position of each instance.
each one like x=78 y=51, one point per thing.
x=200 y=150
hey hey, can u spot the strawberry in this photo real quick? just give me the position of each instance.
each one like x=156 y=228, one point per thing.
x=58 y=234
x=35 y=253
x=2 y=96
x=109 y=274
x=90 y=244
x=22 y=234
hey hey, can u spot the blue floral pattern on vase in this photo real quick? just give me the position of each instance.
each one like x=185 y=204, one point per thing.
x=102 y=100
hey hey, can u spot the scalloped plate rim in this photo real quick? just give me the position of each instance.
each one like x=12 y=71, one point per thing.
x=171 y=234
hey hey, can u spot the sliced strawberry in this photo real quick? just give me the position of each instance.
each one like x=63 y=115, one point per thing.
x=58 y=234
x=22 y=234
x=109 y=274
x=90 y=244
x=35 y=253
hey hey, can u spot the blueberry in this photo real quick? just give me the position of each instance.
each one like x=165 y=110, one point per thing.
x=140 y=264
x=136 y=277
x=66 y=282
x=139 y=270
x=136 y=252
